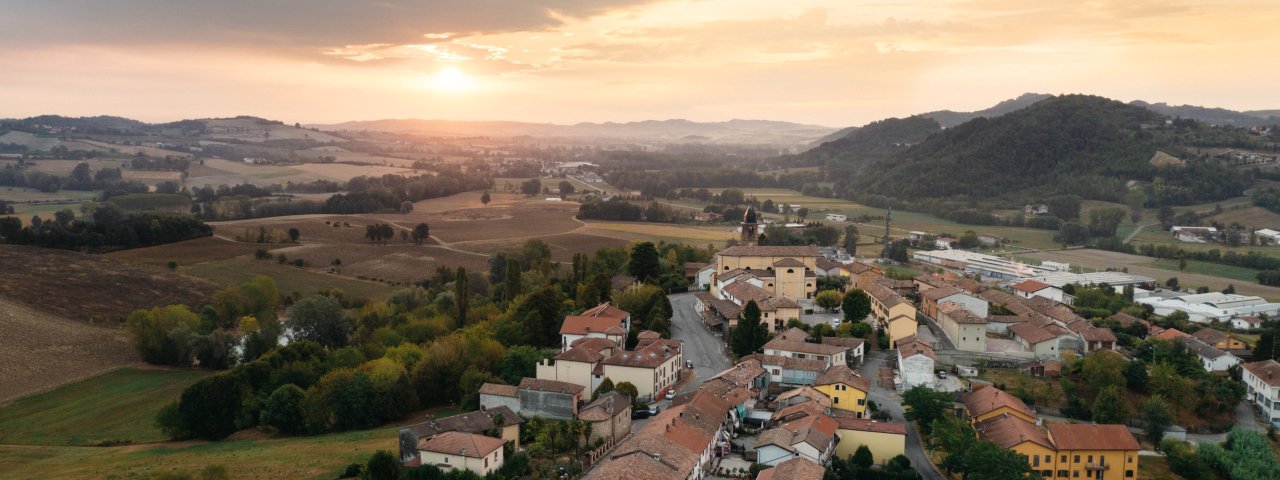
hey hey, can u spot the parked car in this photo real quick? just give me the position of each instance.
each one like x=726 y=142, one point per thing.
x=942 y=374
x=688 y=364
x=640 y=414
x=835 y=322
x=670 y=394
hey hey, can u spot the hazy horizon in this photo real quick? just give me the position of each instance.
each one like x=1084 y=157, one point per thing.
x=818 y=62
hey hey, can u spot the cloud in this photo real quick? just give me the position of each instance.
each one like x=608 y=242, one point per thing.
x=280 y=23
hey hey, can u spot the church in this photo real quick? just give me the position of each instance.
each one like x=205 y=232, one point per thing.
x=775 y=277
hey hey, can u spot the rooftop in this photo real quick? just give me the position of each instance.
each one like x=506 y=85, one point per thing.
x=795 y=469
x=499 y=389
x=1267 y=370
x=459 y=443
x=784 y=345
x=843 y=375
x=988 y=398
x=1007 y=431
x=554 y=386
x=1082 y=436
x=769 y=251
x=585 y=325
x=869 y=425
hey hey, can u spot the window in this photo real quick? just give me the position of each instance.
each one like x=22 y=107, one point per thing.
x=835 y=400
x=1077 y=459
x=1048 y=458
x=486 y=462
x=1128 y=474
x=1064 y=459
x=1090 y=458
x=1035 y=461
x=1063 y=473
x=1075 y=474
x=1130 y=458
x=791 y=270
x=862 y=401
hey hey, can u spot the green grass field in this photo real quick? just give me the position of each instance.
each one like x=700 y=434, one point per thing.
x=1206 y=268
x=118 y=406
x=235 y=271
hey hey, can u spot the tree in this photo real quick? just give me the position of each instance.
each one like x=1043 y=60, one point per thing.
x=1182 y=261
x=1173 y=281
x=1103 y=222
x=1103 y=368
x=923 y=405
x=531 y=187
x=420 y=233
x=856 y=305
x=801 y=213
x=629 y=390
x=969 y=240
x=828 y=299
x=1072 y=233
x=1110 y=407
x=1135 y=375
x=518 y=362
x=750 y=334
x=511 y=287
x=605 y=386
x=485 y=198
x=461 y=296
x=1165 y=216
x=644 y=264
x=1065 y=207
x=294 y=234
x=566 y=187
x=283 y=410
x=1156 y=417
x=535 y=320
x=862 y=457
x=383 y=465
x=987 y=461
x=209 y=408
x=851 y=239
x=320 y=319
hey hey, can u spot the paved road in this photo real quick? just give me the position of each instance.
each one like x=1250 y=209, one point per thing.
x=889 y=401
x=703 y=348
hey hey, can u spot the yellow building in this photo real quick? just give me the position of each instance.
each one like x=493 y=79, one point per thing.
x=847 y=389
x=786 y=271
x=652 y=369
x=885 y=439
x=987 y=402
x=892 y=312
x=1101 y=452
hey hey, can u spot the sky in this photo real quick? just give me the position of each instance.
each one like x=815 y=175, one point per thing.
x=826 y=62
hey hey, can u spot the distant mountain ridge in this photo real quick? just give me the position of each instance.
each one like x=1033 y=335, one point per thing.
x=1214 y=116
x=949 y=118
x=673 y=130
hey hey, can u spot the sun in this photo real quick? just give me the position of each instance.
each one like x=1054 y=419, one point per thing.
x=451 y=79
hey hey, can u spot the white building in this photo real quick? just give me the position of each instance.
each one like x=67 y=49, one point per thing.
x=915 y=363
x=1262 y=383
x=1206 y=307
x=1033 y=288
x=1212 y=359
x=1271 y=236
x=836 y=217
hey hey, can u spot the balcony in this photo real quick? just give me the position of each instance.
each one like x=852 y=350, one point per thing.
x=1097 y=467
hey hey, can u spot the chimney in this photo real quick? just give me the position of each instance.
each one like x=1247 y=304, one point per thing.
x=657 y=456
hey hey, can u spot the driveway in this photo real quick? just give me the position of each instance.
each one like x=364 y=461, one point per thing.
x=702 y=347
x=889 y=401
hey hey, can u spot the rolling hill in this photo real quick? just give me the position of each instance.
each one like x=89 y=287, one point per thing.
x=1214 y=116
x=676 y=130
x=948 y=118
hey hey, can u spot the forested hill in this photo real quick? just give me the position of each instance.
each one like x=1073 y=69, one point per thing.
x=1069 y=144
x=868 y=145
x=948 y=118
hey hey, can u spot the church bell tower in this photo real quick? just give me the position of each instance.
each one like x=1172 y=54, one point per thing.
x=750 y=227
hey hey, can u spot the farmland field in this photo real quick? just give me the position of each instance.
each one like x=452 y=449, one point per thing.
x=81 y=286
x=288 y=278
x=20 y=194
x=654 y=231
x=189 y=252
x=41 y=351
x=1207 y=268
x=563 y=246
x=402 y=263
x=118 y=406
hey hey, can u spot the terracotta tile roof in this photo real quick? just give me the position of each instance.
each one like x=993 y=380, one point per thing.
x=550 y=386
x=896 y=284
x=579 y=354
x=940 y=292
x=726 y=308
x=869 y=425
x=499 y=389
x=459 y=443
x=1168 y=334
x=479 y=421
x=799 y=397
x=988 y=398
x=1267 y=370
x=651 y=356
x=1125 y=320
x=827 y=264
x=848 y=343
x=1030 y=286
x=1202 y=349
x=606 y=310
x=661 y=462
x=605 y=407
x=803 y=364
x=1098 y=334
x=795 y=469
x=857 y=268
x=884 y=295
x=957 y=313
x=648 y=334
x=1007 y=431
x=743 y=374
x=998 y=297
x=1211 y=336
x=782 y=344
x=793 y=334
x=583 y=325
x=911 y=346
x=1007 y=319
x=769 y=251
x=1035 y=333
x=746 y=292
x=789 y=263
x=778 y=301
x=844 y=375
x=595 y=344
x=1081 y=436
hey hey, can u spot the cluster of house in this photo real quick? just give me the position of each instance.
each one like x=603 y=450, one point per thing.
x=592 y=350
x=804 y=427
x=1058 y=450
x=1209 y=307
